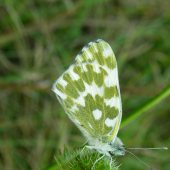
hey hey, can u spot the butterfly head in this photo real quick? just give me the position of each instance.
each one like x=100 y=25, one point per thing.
x=119 y=151
x=118 y=148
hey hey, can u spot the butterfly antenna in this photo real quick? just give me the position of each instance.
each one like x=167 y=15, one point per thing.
x=139 y=160
x=164 y=148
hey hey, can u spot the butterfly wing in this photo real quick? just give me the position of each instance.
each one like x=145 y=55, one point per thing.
x=89 y=92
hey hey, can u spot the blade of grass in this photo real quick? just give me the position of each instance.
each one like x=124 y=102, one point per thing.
x=153 y=102
x=54 y=166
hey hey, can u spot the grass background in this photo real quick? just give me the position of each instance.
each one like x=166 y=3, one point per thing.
x=39 y=40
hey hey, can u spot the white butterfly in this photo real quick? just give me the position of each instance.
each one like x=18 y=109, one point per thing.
x=89 y=93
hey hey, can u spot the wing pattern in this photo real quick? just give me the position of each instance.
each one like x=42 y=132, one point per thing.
x=89 y=92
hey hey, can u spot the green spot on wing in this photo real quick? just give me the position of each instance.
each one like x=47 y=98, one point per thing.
x=110 y=63
x=99 y=77
x=79 y=85
x=69 y=103
x=110 y=92
x=70 y=89
x=112 y=112
x=60 y=87
x=85 y=76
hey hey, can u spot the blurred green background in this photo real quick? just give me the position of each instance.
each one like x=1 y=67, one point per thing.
x=39 y=40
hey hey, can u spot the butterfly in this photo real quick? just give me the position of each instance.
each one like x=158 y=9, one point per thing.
x=90 y=95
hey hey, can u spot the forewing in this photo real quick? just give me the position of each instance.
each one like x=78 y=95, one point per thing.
x=100 y=52
x=89 y=92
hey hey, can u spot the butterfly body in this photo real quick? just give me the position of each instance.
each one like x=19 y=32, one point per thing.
x=115 y=147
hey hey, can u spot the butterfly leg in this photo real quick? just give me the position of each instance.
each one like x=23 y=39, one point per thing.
x=97 y=161
x=110 y=163
x=79 y=152
x=89 y=147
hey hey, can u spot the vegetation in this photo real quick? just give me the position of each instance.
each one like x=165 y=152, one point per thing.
x=40 y=39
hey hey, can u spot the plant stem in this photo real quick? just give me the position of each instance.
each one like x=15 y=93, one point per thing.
x=146 y=106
